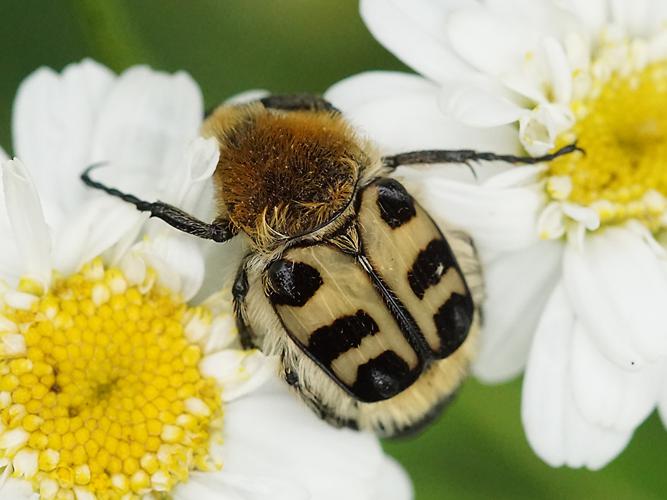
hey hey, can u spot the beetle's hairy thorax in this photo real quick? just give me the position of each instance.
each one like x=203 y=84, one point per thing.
x=282 y=175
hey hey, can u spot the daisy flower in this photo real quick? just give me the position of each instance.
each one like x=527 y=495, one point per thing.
x=112 y=384
x=574 y=250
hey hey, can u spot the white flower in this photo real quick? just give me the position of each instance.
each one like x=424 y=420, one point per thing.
x=111 y=385
x=575 y=264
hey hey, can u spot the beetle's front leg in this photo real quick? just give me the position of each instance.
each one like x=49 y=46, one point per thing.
x=239 y=292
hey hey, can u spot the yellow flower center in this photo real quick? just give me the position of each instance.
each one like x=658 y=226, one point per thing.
x=622 y=126
x=100 y=390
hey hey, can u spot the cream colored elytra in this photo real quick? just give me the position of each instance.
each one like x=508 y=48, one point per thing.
x=401 y=414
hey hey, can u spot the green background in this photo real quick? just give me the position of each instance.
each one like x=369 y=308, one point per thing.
x=477 y=449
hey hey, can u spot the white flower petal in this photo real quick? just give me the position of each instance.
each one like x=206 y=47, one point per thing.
x=498 y=218
x=358 y=90
x=12 y=344
x=177 y=259
x=222 y=264
x=14 y=439
x=19 y=300
x=657 y=15
x=17 y=489
x=606 y=395
x=645 y=234
x=594 y=13
x=538 y=17
x=490 y=43
x=25 y=463
x=239 y=371
x=636 y=16
x=134 y=268
x=393 y=482
x=214 y=486
x=618 y=289
x=3 y=155
x=551 y=224
x=517 y=176
x=406 y=104
x=259 y=440
x=27 y=219
x=414 y=30
x=505 y=39
x=555 y=429
x=187 y=186
x=53 y=121
x=578 y=51
x=478 y=107
x=95 y=227
x=538 y=129
x=585 y=215
x=517 y=286
x=83 y=494
x=560 y=71
x=223 y=333
x=147 y=121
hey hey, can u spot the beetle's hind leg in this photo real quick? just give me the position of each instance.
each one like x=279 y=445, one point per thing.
x=469 y=155
x=220 y=230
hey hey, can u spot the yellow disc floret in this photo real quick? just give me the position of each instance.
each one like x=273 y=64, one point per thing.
x=100 y=390
x=622 y=126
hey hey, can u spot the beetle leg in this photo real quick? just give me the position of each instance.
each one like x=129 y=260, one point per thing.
x=239 y=291
x=468 y=155
x=291 y=377
x=298 y=102
x=220 y=230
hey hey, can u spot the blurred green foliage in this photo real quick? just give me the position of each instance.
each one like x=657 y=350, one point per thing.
x=226 y=45
x=477 y=449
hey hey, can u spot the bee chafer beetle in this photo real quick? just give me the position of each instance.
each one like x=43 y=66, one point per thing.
x=371 y=307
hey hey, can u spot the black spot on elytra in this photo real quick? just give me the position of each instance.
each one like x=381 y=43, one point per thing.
x=292 y=283
x=329 y=342
x=453 y=321
x=430 y=266
x=382 y=378
x=396 y=206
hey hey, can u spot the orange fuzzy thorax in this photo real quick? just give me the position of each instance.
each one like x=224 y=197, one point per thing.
x=283 y=174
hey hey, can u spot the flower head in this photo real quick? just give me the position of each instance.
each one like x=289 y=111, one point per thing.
x=112 y=385
x=573 y=253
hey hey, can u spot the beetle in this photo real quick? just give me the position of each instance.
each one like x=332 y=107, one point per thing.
x=371 y=307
